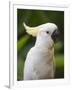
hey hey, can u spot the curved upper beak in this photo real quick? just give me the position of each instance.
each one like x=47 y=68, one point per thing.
x=55 y=35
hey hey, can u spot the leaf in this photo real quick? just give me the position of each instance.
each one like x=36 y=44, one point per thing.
x=22 y=42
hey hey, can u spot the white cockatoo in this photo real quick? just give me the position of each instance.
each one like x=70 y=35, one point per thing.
x=39 y=63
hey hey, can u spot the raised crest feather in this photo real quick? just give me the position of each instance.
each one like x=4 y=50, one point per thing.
x=31 y=30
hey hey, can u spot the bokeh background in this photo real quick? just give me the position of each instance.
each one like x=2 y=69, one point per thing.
x=25 y=41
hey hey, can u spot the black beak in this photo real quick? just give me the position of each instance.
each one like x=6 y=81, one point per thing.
x=55 y=35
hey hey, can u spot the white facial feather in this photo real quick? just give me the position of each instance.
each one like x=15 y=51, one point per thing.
x=48 y=27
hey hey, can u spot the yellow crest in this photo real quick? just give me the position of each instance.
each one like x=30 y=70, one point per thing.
x=31 y=30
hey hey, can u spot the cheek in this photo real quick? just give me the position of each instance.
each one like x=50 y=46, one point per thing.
x=43 y=34
x=47 y=36
x=49 y=39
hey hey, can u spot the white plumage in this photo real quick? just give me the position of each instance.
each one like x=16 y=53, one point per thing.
x=39 y=63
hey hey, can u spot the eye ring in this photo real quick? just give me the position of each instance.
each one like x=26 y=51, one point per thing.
x=47 y=32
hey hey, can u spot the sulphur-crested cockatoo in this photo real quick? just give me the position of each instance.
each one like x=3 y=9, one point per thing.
x=39 y=63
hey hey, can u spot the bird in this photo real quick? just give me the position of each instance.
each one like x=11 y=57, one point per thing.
x=40 y=60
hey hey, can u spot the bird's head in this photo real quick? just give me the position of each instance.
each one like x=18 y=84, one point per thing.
x=47 y=31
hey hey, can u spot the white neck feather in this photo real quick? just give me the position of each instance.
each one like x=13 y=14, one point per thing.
x=44 y=43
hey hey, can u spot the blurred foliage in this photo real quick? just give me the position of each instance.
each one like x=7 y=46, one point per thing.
x=22 y=42
x=25 y=41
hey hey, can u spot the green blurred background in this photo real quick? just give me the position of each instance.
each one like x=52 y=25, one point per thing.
x=25 y=41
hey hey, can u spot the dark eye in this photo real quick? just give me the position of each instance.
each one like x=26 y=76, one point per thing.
x=47 y=32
